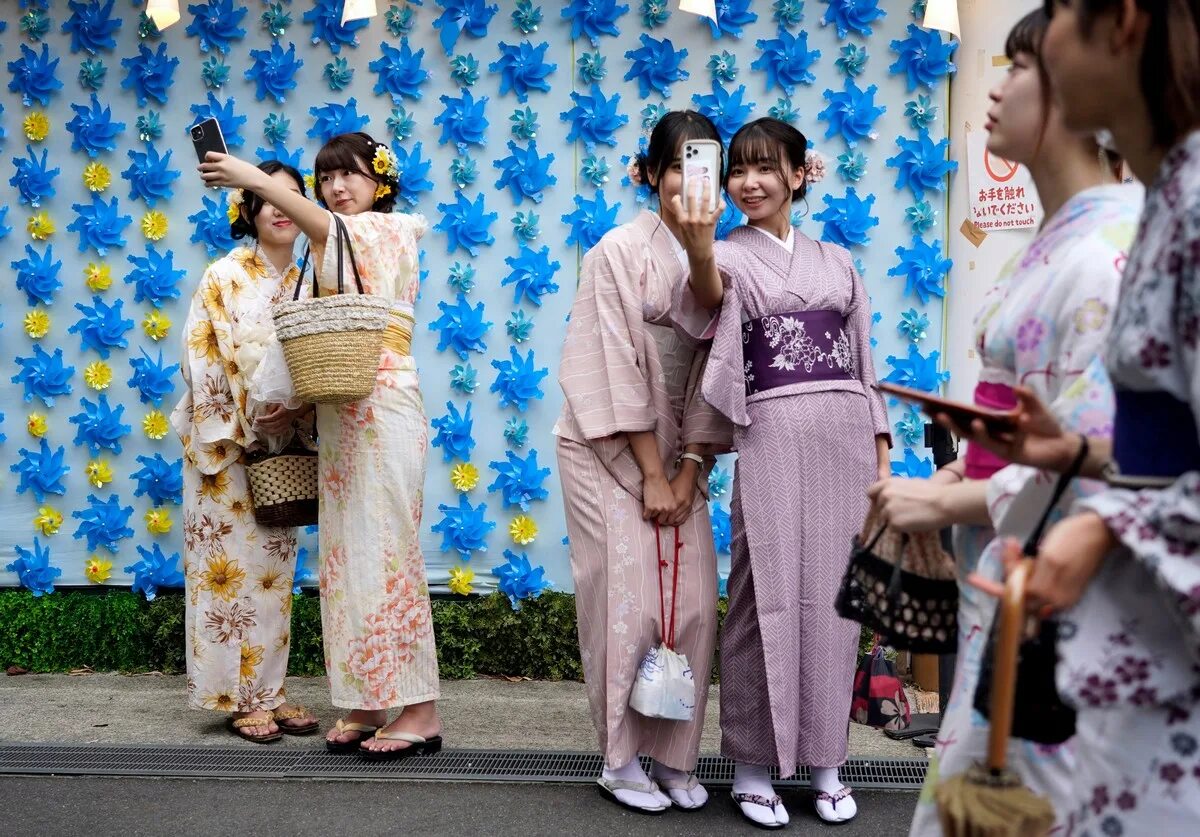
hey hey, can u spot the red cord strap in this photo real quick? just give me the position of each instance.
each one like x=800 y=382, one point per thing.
x=668 y=633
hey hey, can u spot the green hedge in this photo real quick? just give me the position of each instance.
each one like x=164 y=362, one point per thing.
x=117 y=630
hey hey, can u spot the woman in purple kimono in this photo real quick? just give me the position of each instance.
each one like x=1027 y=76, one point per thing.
x=791 y=367
x=1124 y=572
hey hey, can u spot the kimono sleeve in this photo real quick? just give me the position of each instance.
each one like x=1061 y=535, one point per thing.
x=858 y=319
x=384 y=245
x=601 y=371
x=702 y=423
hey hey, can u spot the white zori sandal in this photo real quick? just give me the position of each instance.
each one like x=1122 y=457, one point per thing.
x=680 y=791
x=746 y=802
x=609 y=787
x=827 y=805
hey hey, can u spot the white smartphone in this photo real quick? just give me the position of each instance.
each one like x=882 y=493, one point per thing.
x=702 y=165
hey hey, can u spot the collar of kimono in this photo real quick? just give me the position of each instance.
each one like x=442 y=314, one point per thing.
x=768 y=251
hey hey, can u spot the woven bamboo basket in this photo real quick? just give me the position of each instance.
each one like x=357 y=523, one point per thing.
x=332 y=345
x=283 y=488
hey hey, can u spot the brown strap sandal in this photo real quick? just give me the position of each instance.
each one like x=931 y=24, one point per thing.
x=291 y=713
x=241 y=726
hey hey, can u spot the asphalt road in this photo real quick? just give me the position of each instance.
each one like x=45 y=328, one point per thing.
x=255 y=808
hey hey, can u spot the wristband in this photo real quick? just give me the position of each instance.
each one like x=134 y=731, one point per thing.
x=694 y=457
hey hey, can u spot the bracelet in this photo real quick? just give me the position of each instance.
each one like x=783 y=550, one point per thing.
x=694 y=457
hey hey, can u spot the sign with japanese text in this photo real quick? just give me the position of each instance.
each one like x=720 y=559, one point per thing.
x=1002 y=192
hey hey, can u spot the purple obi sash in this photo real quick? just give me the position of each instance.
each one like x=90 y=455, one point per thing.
x=1154 y=435
x=795 y=348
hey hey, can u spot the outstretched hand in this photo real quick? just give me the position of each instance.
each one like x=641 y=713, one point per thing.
x=697 y=225
x=228 y=171
x=1038 y=440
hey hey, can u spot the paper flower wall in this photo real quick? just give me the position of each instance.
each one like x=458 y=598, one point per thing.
x=656 y=65
x=592 y=67
x=922 y=57
x=852 y=16
x=103 y=524
x=41 y=471
x=726 y=110
x=916 y=371
x=413 y=173
x=847 y=219
x=590 y=220
x=722 y=529
x=33 y=569
x=924 y=269
x=524 y=173
x=910 y=430
x=462 y=120
x=33 y=178
x=462 y=328
x=594 y=119
x=519 y=480
x=517 y=380
x=732 y=17
x=914 y=325
x=273 y=72
x=786 y=61
x=101 y=326
x=463 y=527
x=460 y=580
x=400 y=72
x=153 y=380
x=215 y=24
x=33 y=76
x=522 y=68
x=458 y=16
x=718 y=482
x=44 y=375
x=592 y=19
x=851 y=113
x=212 y=226
x=93 y=128
x=231 y=124
x=912 y=466
x=532 y=275
x=454 y=433
x=920 y=112
x=519 y=580
x=100 y=425
x=922 y=164
x=516 y=432
x=37 y=275
x=326 y=20
x=158 y=479
x=723 y=67
x=149 y=74
x=154 y=570
x=154 y=277
x=466 y=224
x=150 y=176
x=91 y=26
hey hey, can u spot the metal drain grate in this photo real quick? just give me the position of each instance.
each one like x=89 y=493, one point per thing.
x=450 y=765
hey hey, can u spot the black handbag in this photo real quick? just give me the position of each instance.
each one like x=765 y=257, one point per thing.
x=1039 y=713
x=913 y=609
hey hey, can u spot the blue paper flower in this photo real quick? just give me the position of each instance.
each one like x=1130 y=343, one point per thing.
x=454 y=433
x=151 y=379
x=215 y=23
x=519 y=326
x=413 y=171
x=519 y=480
x=103 y=524
x=920 y=112
x=912 y=466
x=526 y=17
x=147 y=30
x=722 y=529
x=276 y=128
x=922 y=57
x=876 y=317
x=519 y=580
x=464 y=378
x=33 y=569
x=921 y=217
x=730 y=220
x=338 y=74
x=913 y=325
x=231 y=124
x=464 y=70
x=303 y=576
x=594 y=170
x=33 y=76
x=532 y=275
x=462 y=120
x=654 y=13
x=214 y=72
x=593 y=18
x=41 y=471
x=786 y=61
x=590 y=220
x=100 y=326
x=212 y=226
x=93 y=129
x=158 y=479
x=149 y=127
x=399 y=70
x=44 y=375
x=922 y=164
x=35 y=23
x=400 y=20
x=149 y=74
x=99 y=225
x=276 y=20
x=332 y=119
x=273 y=71
x=463 y=528
x=153 y=571
x=525 y=226
x=92 y=73
x=722 y=67
x=37 y=275
x=923 y=267
x=853 y=60
x=4 y=228
x=784 y=110
x=594 y=119
x=466 y=224
x=524 y=124
x=656 y=65
x=847 y=219
x=401 y=124
x=592 y=68
x=917 y=9
x=852 y=165
x=458 y=16
x=32 y=179
x=718 y=482
x=462 y=328
x=150 y=176
x=100 y=425
x=916 y=371
x=651 y=115
x=523 y=68
x=725 y=109
x=852 y=16
x=517 y=380
x=462 y=277
x=524 y=173
x=326 y=20
x=154 y=277
x=732 y=17
x=516 y=432
x=910 y=430
x=851 y=113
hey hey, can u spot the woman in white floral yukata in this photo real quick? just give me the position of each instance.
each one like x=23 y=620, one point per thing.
x=238 y=574
x=375 y=613
x=1043 y=324
x=1123 y=573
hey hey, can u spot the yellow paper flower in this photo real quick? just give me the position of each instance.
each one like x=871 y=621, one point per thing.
x=40 y=227
x=36 y=425
x=460 y=580
x=523 y=529
x=96 y=177
x=37 y=126
x=98 y=277
x=99 y=473
x=154 y=425
x=382 y=191
x=233 y=211
x=158 y=521
x=464 y=476
x=37 y=323
x=97 y=570
x=154 y=225
x=156 y=325
x=48 y=520
x=97 y=375
x=310 y=183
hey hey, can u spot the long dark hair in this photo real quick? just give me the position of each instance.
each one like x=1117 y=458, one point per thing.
x=354 y=152
x=252 y=202
x=1170 y=68
x=667 y=137
x=771 y=141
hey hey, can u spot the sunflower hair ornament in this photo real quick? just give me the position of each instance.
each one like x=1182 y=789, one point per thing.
x=235 y=205
x=384 y=162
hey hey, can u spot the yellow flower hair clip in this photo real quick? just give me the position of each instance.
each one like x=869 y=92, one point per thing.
x=385 y=162
x=37 y=323
x=382 y=191
x=235 y=206
x=36 y=126
x=96 y=177
x=98 y=277
x=97 y=570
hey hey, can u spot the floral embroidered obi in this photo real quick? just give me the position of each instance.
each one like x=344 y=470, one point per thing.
x=1154 y=435
x=795 y=348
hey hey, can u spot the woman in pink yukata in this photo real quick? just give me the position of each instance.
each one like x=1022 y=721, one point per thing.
x=791 y=367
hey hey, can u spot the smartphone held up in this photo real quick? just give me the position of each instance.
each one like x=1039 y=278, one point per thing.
x=701 y=171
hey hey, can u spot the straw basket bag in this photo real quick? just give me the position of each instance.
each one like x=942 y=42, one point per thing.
x=332 y=343
x=283 y=486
